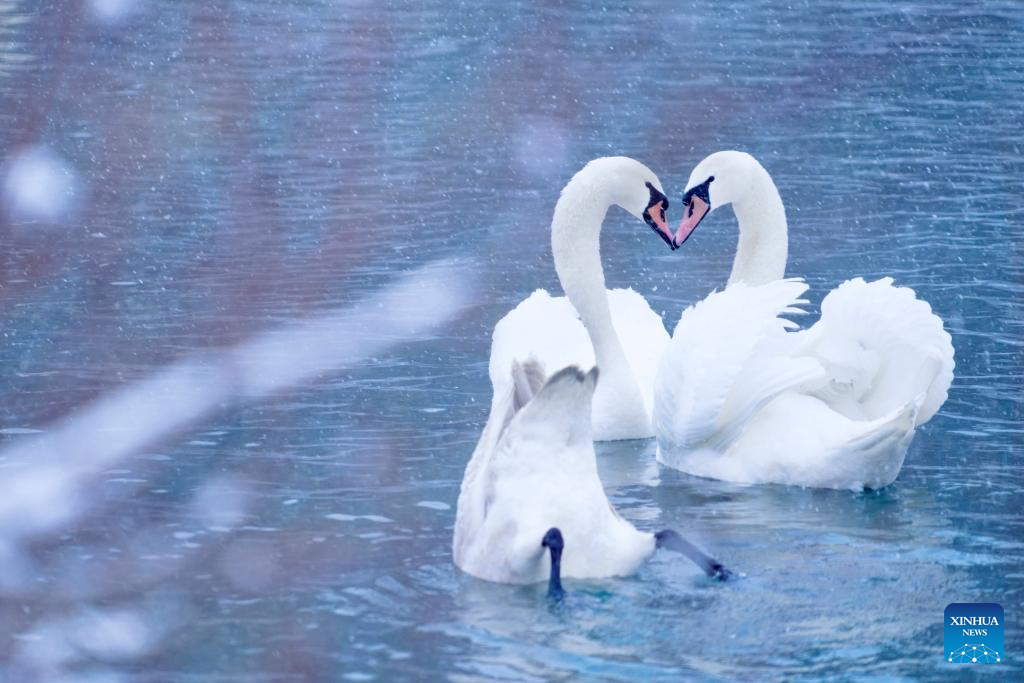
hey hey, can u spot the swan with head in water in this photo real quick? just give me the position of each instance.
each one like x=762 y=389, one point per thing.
x=614 y=328
x=532 y=507
x=741 y=398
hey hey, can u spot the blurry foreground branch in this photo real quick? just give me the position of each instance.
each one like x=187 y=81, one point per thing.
x=43 y=479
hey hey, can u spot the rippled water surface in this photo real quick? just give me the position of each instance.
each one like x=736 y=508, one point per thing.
x=223 y=169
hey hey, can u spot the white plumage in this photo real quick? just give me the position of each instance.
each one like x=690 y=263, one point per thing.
x=531 y=488
x=533 y=469
x=548 y=328
x=616 y=329
x=741 y=395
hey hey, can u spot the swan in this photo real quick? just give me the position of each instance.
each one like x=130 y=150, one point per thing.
x=742 y=396
x=531 y=506
x=614 y=328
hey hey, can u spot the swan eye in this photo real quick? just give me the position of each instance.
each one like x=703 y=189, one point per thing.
x=702 y=191
x=657 y=199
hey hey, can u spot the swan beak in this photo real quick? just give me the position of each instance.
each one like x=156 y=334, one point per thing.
x=693 y=214
x=654 y=216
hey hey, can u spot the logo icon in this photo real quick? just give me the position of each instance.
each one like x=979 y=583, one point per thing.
x=973 y=633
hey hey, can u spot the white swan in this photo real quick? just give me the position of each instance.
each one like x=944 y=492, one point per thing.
x=738 y=397
x=532 y=507
x=618 y=330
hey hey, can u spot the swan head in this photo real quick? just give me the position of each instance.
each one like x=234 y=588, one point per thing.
x=721 y=178
x=635 y=188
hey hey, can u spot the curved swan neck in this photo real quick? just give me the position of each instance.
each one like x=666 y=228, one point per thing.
x=576 y=245
x=764 y=243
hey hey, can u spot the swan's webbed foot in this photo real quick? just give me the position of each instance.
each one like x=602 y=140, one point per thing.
x=671 y=540
x=554 y=542
x=719 y=572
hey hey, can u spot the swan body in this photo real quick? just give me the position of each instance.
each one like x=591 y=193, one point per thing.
x=533 y=469
x=616 y=329
x=742 y=394
x=532 y=506
x=548 y=327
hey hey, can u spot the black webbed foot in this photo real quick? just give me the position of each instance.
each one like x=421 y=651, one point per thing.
x=720 y=572
x=671 y=540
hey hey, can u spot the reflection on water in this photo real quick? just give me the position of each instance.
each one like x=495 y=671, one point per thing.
x=241 y=167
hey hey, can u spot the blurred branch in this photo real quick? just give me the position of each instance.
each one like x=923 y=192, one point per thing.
x=43 y=489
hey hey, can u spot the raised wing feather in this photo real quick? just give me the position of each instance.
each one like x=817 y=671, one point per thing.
x=558 y=419
x=476 y=483
x=727 y=358
x=881 y=347
x=527 y=379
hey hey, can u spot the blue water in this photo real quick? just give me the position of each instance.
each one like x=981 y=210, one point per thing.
x=236 y=166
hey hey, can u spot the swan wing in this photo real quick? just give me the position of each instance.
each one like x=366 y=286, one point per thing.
x=542 y=473
x=527 y=380
x=477 y=483
x=545 y=474
x=798 y=439
x=881 y=347
x=476 y=486
x=557 y=419
x=728 y=357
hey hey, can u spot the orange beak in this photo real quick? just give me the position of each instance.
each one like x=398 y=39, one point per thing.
x=693 y=214
x=654 y=216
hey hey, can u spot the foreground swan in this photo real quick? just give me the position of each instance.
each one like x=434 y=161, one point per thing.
x=532 y=506
x=740 y=398
x=615 y=328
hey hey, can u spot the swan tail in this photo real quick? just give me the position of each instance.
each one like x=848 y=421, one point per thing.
x=525 y=407
x=527 y=379
x=566 y=396
x=882 y=346
x=527 y=414
x=560 y=413
x=875 y=456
